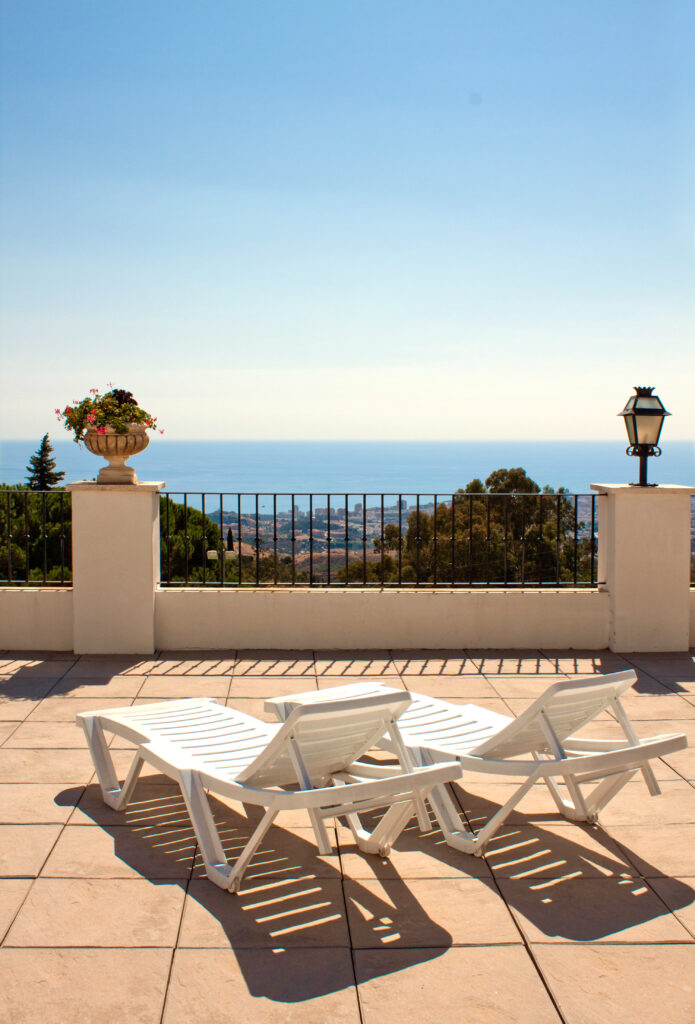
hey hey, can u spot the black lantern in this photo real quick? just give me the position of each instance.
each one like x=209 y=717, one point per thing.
x=644 y=416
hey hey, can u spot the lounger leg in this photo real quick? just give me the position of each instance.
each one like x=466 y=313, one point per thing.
x=113 y=793
x=607 y=789
x=217 y=867
x=242 y=862
x=388 y=829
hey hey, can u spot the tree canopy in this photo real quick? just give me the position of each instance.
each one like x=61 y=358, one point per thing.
x=43 y=475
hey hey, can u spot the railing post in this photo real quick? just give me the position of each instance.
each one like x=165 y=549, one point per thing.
x=644 y=564
x=115 y=566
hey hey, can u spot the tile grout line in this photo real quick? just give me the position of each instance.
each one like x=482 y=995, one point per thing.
x=349 y=930
x=178 y=936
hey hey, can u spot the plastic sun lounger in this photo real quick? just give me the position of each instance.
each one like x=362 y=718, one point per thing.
x=538 y=745
x=310 y=761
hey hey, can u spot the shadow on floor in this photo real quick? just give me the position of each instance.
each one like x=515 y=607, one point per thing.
x=291 y=899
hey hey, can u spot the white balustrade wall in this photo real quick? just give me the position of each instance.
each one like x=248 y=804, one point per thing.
x=116 y=605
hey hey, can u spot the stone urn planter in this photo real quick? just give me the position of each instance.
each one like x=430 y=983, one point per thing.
x=116 y=449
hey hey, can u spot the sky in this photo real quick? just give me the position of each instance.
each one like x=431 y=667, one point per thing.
x=303 y=219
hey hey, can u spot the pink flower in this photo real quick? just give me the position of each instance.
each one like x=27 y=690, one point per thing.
x=161 y=431
x=94 y=391
x=101 y=430
x=58 y=412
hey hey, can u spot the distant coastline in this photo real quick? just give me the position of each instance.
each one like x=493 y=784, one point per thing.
x=362 y=467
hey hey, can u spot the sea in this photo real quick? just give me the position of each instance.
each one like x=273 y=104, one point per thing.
x=361 y=467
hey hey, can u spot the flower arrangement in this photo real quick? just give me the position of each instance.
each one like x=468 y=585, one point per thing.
x=116 y=409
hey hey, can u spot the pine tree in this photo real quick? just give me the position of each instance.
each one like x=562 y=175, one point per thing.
x=42 y=468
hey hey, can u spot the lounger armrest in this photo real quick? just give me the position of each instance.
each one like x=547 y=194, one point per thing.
x=587 y=745
x=398 y=784
x=596 y=762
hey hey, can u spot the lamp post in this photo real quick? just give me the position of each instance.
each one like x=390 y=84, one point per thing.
x=644 y=415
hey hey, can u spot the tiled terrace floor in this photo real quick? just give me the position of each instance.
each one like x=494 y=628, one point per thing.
x=106 y=917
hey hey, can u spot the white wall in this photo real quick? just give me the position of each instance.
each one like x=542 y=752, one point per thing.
x=35 y=619
x=284 y=619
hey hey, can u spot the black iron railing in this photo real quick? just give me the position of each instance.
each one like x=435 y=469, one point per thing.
x=35 y=538
x=382 y=540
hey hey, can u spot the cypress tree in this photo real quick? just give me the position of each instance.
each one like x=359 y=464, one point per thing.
x=42 y=468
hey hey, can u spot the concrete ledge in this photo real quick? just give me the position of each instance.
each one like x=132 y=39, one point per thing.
x=283 y=619
x=36 y=618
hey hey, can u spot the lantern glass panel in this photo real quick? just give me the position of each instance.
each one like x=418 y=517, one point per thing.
x=647 y=429
x=631 y=432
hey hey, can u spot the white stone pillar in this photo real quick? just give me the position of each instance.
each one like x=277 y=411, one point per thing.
x=644 y=564
x=115 y=566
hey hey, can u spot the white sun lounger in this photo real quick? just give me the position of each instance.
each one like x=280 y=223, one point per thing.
x=538 y=745
x=310 y=761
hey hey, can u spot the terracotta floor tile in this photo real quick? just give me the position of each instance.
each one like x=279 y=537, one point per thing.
x=65 y=708
x=657 y=706
x=592 y=910
x=469 y=688
x=281 y=986
x=251 y=706
x=274 y=663
x=658 y=850
x=441 y=663
x=72 y=767
x=682 y=762
x=679 y=896
x=6 y=730
x=291 y=913
x=102 y=912
x=522 y=686
x=481 y=799
x=634 y=805
x=504 y=663
x=104 y=666
x=553 y=850
x=15 y=709
x=12 y=894
x=286 y=854
x=369 y=664
x=640 y=983
x=122 y=760
x=24 y=848
x=268 y=686
x=188 y=664
x=580 y=663
x=176 y=687
x=518 y=704
x=122 y=851
x=386 y=913
x=83 y=986
x=414 y=855
x=158 y=805
x=36 y=668
x=19 y=687
x=400 y=986
x=127 y=687
x=35 y=735
x=28 y=803
x=337 y=682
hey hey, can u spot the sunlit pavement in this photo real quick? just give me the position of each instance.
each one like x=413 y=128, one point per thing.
x=108 y=917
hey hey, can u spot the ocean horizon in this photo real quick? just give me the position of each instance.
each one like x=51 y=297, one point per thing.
x=361 y=467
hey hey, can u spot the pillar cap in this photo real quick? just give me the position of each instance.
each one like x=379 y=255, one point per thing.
x=92 y=485
x=634 y=489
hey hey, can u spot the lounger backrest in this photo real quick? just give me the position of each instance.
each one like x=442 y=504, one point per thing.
x=567 y=707
x=327 y=736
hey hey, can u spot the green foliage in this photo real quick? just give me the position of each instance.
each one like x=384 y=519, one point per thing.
x=525 y=535
x=42 y=468
x=116 y=409
x=25 y=545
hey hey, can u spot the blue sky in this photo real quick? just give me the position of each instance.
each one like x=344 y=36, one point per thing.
x=349 y=220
